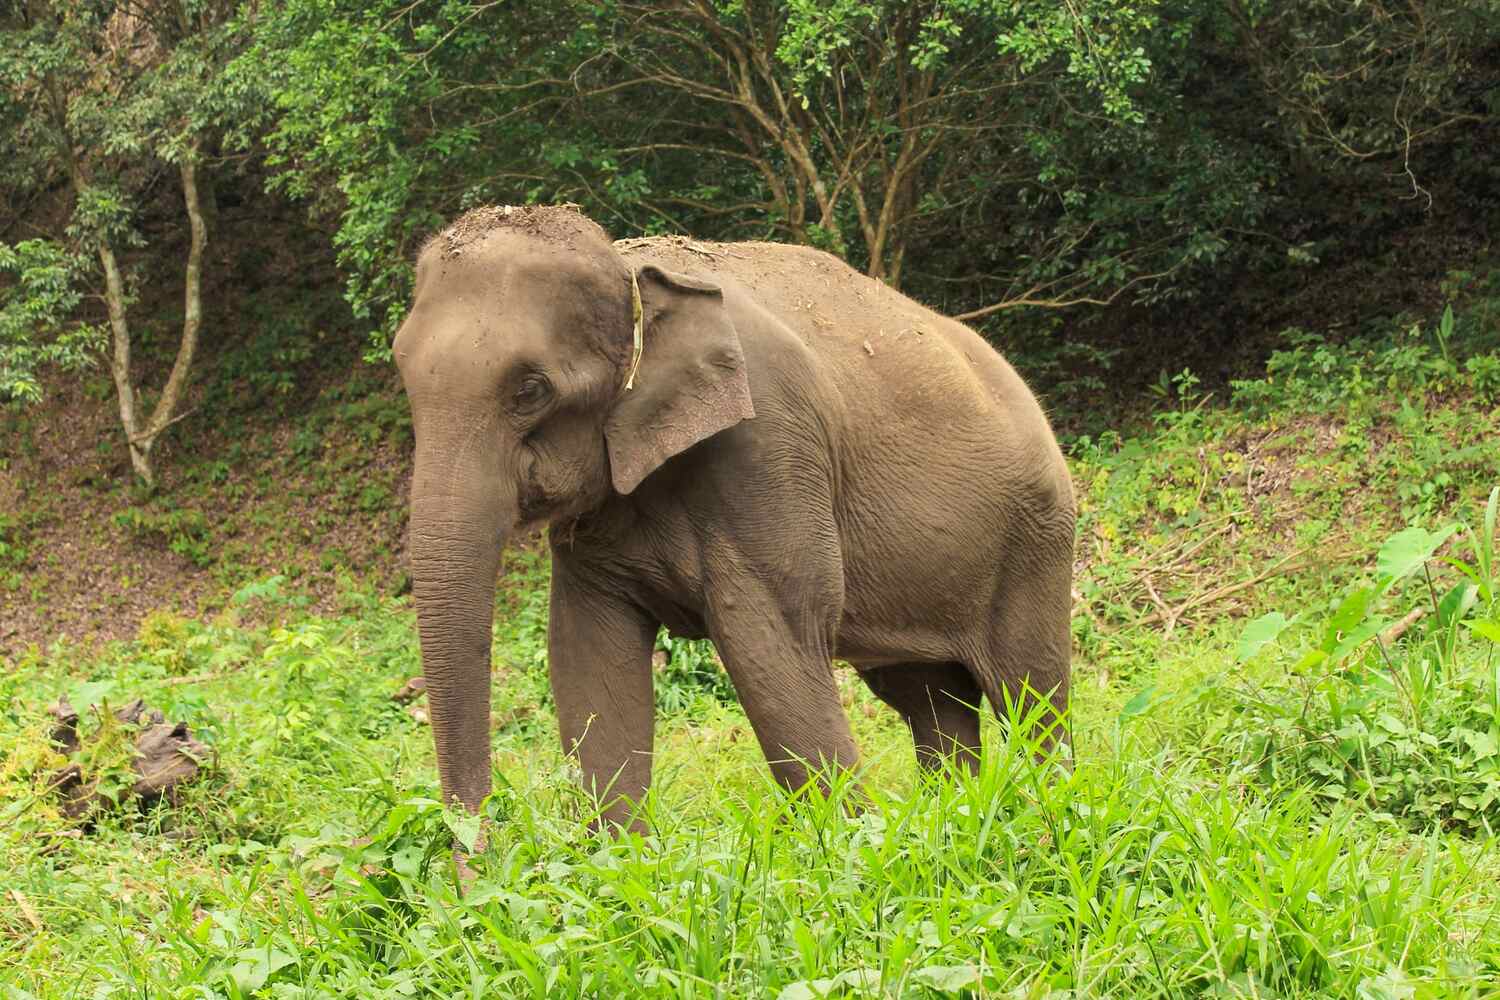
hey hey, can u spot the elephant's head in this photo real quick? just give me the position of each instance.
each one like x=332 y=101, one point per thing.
x=544 y=375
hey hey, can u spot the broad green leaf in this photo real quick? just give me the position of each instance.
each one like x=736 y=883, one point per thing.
x=1486 y=628
x=465 y=827
x=1310 y=659
x=1405 y=551
x=258 y=965
x=862 y=980
x=86 y=693
x=1352 y=640
x=1138 y=704
x=1456 y=603
x=1258 y=633
x=1483 y=744
x=1391 y=724
x=808 y=989
x=946 y=978
x=1350 y=612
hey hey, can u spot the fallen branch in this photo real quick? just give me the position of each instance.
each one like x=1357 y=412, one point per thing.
x=1172 y=616
x=26 y=910
x=1183 y=555
x=188 y=679
x=1399 y=629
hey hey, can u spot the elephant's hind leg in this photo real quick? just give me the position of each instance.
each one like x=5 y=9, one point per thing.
x=1027 y=663
x=940 y=703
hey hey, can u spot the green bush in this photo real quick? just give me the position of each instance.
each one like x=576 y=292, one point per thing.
x=1407 y=725
x=183 y=530
x=1318 y=373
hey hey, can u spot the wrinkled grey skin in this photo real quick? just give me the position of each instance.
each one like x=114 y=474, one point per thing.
x=809 y=465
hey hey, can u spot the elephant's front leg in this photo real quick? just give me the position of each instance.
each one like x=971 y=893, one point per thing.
x=599 y=657
x=775 y=629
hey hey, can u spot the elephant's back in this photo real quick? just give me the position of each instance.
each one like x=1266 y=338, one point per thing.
x=907 y=373
x=948 y=475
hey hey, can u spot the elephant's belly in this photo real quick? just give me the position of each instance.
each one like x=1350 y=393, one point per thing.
x=922 y=566
x=681 y=622
x=923 y=604
x=896 y=638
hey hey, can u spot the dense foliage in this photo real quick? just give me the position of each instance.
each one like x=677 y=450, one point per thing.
x=1192 y=170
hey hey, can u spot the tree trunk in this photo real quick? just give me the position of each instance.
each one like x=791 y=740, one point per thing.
x=141 y=440
x=119 y=360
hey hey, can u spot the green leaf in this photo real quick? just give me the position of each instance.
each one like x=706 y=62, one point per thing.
x=1405 y=551
x=1351 y=611
x=946 y=978
x=1310 y=659
x=1456 y=603
x=258 y=965
x=86 y=693
x=1486 y=628
x=1138 y=704
x=1352 y=640
x=864 y=980
x=1483 y=744
x=1258 y=633
x=465 y=827
x=1391 y=724
x=808 y=989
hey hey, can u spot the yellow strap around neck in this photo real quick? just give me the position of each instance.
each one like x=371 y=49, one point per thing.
x=638 y=315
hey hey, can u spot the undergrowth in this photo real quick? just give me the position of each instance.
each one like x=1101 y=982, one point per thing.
x=1285 y=779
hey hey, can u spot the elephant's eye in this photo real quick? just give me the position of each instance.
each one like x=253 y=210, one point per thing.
x=532 y=390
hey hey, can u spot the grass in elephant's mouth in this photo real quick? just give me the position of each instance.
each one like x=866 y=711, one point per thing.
x=1237 y=824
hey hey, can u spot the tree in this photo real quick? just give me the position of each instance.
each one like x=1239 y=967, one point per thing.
x=856 y=126
x=991 y=158
x=115 y=95
x=37 y=309
x=863 y=118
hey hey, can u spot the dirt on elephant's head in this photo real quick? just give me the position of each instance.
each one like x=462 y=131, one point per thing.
x=558 y=224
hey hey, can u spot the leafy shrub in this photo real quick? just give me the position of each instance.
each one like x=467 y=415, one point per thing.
x=171 y=642
x=184 y=531
x=1408 y=724
x=692 y=673
x=15 y=546
x=1315 y=372
x=1484 y=375
x=37 y=299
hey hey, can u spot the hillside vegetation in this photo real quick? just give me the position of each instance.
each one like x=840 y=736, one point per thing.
x=1287 y=775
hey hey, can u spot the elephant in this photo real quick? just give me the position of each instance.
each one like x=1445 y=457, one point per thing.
x=750 y=442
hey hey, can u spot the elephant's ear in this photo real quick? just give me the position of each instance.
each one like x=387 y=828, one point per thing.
x=690 y=383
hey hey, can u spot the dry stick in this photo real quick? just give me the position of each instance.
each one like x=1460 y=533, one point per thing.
x=1176 y=560
x=1219 y=593
x=1155 y=597
x=1191 y=549
x=26 y=910
x=189 y=679
x=1397 y=630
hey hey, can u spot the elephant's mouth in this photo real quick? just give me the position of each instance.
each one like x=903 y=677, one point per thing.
x=533 y=506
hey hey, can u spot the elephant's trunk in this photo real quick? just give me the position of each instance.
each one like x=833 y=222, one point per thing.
x=460 y=511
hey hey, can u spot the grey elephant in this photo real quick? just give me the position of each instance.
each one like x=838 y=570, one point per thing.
x=750 y=442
